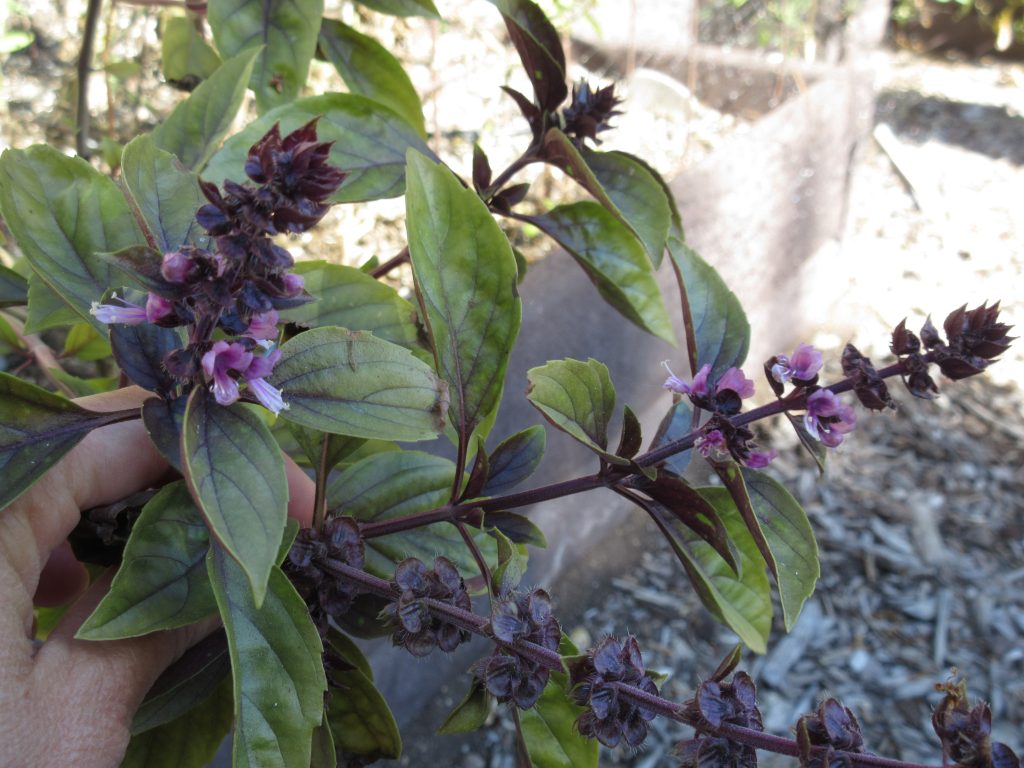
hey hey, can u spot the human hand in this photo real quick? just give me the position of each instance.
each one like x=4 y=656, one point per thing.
x=67 y=701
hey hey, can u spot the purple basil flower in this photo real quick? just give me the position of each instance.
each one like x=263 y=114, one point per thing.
x=126 y=313
x=712 y=441
x=802 y=366
x=177 y=267
x=761 y=459
x=734 y=379
x=217 y=365
x=263 y=326
x=698 y=387
x=255 y=376
x=827 y=419
x=293 y=284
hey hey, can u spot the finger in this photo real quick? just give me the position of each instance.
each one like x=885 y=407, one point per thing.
x=301 y=493
x=110 y=463
x=63 y=578
x=91 y=690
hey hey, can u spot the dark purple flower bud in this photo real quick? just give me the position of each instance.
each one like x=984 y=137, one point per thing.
x=589 y=112
x=339 y=542
x=293 y=284
x=833 y=726
x=715 y=752
x=965 y=731
x=827 y=419
x=867 y=384
x=724 y=397
x=177 y=267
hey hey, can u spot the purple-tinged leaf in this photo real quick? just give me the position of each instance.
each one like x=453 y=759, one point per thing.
x=539 y=48
x=577 y=398
x=235 y=473
x=779 y=526
x=632 y=436
x=424 y=8
x=189 y=741
x=817 y=449
x=470 y=713
x=742 y=603
x=352 y=383
x=613 y=258
x=164 y=420
x=717 y=331
x=63 y=212
x=359 y=717
x=518 y=528
x=162 y=582
x=13 y=288
x=164 y=195
x=371 y=70
x=140 y=351
x=675 y=425
x=184 y=684
x=513 y=461
x=638 y=194
x=466 y=284
x=287 y=31
x=36 y=429
x=276 y=663
x=196 y=127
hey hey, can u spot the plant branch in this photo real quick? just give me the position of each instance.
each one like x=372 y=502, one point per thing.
x=41 y=354
x=391 y=264
x=92 y=16
x=481 y=564
x=552 y=660
x=320 y=496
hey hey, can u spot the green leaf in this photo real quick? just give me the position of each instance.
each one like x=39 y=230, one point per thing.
x=613 y=258
x=369 y=143
x=190 y=741
x=352 y=383
x=323 y=754
x=162 y=581
x=514 y=460
x=13 y=288
x=717 y=331
x=236 y=475
x=63 y=212
x=540 y=50
x=577 y=398
x=794 y=551
x=360 y=720
x=370 y=70
x=286 y=29
x=184 y=55
x=350 y=298
x=676 y=424
x=423 y=8
x=83 y=387
x=46 y=308
x=518 y=528
x=198 y=124
x=470 y=713
x=637 y=194
x=85 y=342
x=140 y=351
x=276 y=662
x=186 y=683
x=346 y=648
x=549 y=730
x=165 y=195
x=311 y=442
x=817 y=449
x=36 y=429
x=512 y=562
x=742 y=603
x=466 y=282
x=397 y=484
x=164 y=421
